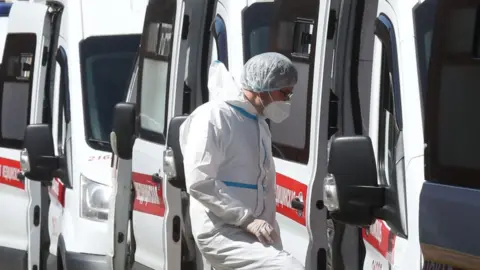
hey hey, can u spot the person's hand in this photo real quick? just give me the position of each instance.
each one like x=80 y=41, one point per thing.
x=265 y=232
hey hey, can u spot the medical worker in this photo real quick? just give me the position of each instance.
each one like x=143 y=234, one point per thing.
x=230 y=173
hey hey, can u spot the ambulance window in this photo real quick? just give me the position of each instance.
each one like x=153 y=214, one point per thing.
x=106 y=64
x=154 y=70
x=63 y=117
x=390 y=138
x=256 y=27
x=220 y=35
x=131 y=95
x=290 y=29
x=424 y=15
x=16 y=88
x=452 y=129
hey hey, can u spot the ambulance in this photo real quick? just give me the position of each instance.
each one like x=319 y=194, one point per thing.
x=65 y=65
x=4 y=11
x=412 y=181
x=404 y=175
x=149 y=211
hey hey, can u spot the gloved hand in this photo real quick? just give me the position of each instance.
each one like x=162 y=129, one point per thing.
x=265 y=232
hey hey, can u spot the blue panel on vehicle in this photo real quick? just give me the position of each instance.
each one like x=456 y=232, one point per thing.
x=5 y=9
x=449 y=218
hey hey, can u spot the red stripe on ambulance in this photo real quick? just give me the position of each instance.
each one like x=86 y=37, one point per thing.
x=148 y=195
x=286 y=190
x=58 y=191
x=380 y=237
x=9 y=170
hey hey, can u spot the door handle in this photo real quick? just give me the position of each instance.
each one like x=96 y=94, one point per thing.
x=297 y=204
x=156 y=178
x=21 y=177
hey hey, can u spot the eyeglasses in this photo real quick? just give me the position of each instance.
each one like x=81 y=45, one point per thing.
x=287 y=95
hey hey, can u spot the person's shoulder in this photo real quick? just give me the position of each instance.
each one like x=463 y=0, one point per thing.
x=214 y=111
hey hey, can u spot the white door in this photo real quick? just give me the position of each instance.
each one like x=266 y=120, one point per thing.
x=157 y=78
x=121 y=249
x=299 y=32
x=386 y=243
x=22 y=83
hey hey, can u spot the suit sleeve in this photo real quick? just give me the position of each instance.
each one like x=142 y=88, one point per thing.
x=202 y=154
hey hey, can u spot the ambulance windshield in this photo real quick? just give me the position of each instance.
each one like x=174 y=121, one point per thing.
x=106 y=63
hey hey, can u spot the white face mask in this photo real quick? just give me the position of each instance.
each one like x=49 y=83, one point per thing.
x=277 y=111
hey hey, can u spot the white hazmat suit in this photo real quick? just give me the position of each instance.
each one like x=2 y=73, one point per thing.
x=230 y=173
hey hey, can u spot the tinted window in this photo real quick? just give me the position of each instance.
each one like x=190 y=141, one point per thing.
x=424 y=16
x=154 y=69
x=289 y=29
x=16 y=86
x=107 y=64
x=256 y=27
x=220 y=35
x=451 y=121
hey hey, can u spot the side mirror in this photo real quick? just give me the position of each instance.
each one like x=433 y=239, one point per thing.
x=38 y=161
x=351 y=192
x=172 y=156
x=122 y=137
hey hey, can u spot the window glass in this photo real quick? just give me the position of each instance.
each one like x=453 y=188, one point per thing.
x=154 y=70
x=424 y=16
x=220 y=36
x=153 y=100
x=15 y=97
x=256 y=27
x=16 y=84
x=57 y=124
x=63 y=114
x=451 y=101
x=288 y=29
x=389 y=128
x=107 y=63
x=459 y=129
x=155 y=59
x=133 y=85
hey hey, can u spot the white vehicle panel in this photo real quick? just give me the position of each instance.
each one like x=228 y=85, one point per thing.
x=149 y=205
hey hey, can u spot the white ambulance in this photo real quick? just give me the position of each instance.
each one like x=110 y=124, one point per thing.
x=180 y=40
x=65 y=65
x=4 y=11
x=414 y=180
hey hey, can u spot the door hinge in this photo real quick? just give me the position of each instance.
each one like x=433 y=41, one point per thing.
x=332 y=24
x=45 y=56
x=186 y=26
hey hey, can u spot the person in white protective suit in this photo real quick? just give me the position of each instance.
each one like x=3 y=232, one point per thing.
x=230 y=173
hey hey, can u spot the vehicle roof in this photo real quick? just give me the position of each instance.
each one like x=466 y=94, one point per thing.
x=101 y=17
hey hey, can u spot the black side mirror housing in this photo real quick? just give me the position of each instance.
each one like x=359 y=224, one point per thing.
x=352 y=168
x=123 y=137
x=38 y=159
x=173 y=157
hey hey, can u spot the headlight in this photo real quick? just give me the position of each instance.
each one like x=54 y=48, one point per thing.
x=95 y=200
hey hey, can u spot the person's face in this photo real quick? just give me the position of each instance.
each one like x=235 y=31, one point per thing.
x=284 y=94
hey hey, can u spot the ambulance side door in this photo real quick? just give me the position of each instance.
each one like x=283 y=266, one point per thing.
x=156 y=84
x=22 y=85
